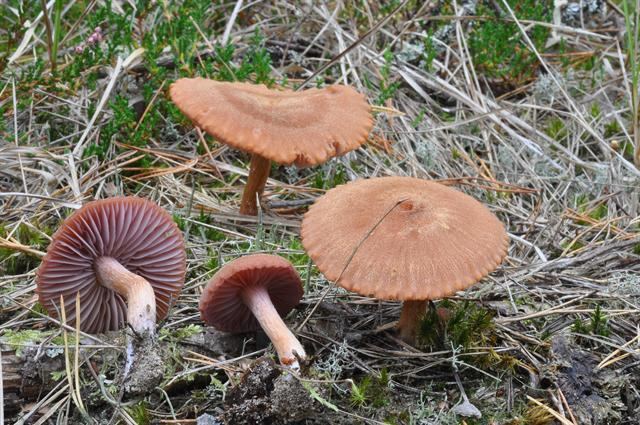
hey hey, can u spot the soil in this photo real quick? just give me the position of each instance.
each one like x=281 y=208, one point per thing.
x=592 y=393
x=222 y=343
x=147 y=369
x=267 y=394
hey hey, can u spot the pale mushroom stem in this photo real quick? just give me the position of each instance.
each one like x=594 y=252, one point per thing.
x=141 y=300
x=258 y=175
x=410 y=316
x=286 y=344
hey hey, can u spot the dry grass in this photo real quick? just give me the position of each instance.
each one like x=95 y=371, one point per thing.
x=541 y=155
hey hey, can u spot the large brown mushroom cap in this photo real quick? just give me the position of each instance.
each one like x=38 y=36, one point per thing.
x=303 y=128
x=434 y=241
x=137 y=233
x=221 y=303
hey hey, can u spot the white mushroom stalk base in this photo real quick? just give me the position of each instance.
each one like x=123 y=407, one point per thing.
x=141 y=300
x=286 y=344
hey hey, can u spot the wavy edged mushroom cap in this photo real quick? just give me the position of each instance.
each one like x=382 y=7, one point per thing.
x=433 y=242
x=303 y=128
x=221 y=303
x=139 y=234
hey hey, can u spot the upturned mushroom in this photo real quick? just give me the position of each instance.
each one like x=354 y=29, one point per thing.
x=403 y=238
x=256 y=291
x=304 y=128
x=125 y=258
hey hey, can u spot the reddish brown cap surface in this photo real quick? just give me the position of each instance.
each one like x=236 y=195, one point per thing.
x=221 y=303
x=303 y=128
x=434 y=242
x=136 y=232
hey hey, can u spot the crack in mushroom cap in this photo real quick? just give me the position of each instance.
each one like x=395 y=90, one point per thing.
x=434 y=242
x=304 y=128
x=221 y=302
x=137 y=233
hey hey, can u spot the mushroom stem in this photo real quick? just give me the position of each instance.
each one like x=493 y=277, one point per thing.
x=141 y=300
x=286 y=344
x=412 y=311
x=258 y=175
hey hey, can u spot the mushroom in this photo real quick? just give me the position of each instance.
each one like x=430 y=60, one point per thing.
x=256 y=291
x=403 y=238
x=303 y=128
x=125 y=258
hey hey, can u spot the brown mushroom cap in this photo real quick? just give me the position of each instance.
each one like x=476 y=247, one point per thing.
x=434 y=242
x=221 y=303
x=303 y=128
x=137 y=233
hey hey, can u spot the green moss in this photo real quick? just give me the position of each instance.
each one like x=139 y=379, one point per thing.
x=212 y=261
x=297 y=256
x=371 y=391
x=597 y=324
x=179 y=334
x=584 y=206
x=556 y=129
x=139 y=412
x=464 y=324
x=17 y=340
x=571 y=245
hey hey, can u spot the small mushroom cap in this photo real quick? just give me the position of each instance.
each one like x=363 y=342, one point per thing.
x=303 y=128
x=138 y=233
x=413 y=239
x=221 y=302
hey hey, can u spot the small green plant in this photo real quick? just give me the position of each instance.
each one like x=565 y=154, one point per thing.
x=213 y=262
x=57 y=375
x=180 y=221
x=140 y=413
x=53 y=30
x=256 y=62
x=464 y=324
x=570 y=245
x=556 y=129
x=585 y=207
x=330 y=176
x=259 y=60
x=562 y=53
x=596 y=325
x=432 y=330
x=497 y=46
x=387 y=87
x=429 y=53
x=598 y=322
x=207 y=229
x=297 y=256
x=371 y=391
x=180 y=333
x=612 y=128
x=17 y=262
